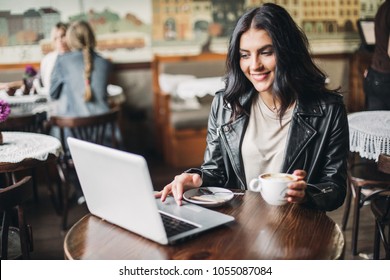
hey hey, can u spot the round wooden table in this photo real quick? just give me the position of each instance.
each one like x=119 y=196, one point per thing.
x=261 y=231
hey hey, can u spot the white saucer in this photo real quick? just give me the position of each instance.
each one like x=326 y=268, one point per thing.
x=220 y=196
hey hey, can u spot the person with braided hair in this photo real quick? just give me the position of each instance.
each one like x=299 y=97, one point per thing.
x=79 y=83
x=80 y=77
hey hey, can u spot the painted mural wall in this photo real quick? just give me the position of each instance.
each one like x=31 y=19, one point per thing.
x=132 y=30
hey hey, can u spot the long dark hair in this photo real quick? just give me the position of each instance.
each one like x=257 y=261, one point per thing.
x=295 y=73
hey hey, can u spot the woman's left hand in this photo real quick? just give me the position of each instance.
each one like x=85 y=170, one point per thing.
x=296 y=192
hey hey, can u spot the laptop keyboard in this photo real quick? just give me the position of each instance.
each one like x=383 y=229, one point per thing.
x=174 y=226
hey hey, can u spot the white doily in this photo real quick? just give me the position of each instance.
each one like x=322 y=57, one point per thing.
x=369 y=133
x=18 y=146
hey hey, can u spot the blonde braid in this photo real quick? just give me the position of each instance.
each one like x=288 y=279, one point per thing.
x=80 y=36
x=87 y=73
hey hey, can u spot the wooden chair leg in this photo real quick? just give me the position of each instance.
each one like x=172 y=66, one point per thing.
x=35 y=185
x=376 y=241
x=30 y=238
x=387 y=243
x=4 y=236
x=65 y=196
x=23 y=232
x=384 y=239
x=355 y=225
x=347 y=208
x=55 y=199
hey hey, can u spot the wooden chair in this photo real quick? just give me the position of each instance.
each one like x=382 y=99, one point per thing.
x=12 y=198
x=380 y=206
x=26 y=122
x=100 y=129
x=365 y=177
x=181 y=134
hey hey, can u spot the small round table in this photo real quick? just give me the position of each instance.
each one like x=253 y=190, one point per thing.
x=21 y=147
x=24 y=151
x=369 y=133
x=27 y=104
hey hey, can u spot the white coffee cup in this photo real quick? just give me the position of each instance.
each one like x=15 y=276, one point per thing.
x=272 y=186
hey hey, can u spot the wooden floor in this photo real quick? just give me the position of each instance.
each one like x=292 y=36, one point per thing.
x=48 y=238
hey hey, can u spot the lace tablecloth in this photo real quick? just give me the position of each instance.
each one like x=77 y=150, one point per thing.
x=369 y=133
x=18 y=146
x=26 y=103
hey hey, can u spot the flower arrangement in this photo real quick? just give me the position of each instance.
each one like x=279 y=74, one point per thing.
x=5 y=110
x=29 y=72
x=28 y=79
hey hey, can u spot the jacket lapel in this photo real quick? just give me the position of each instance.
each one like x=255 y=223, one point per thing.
x=232 y=135
x=301 y=132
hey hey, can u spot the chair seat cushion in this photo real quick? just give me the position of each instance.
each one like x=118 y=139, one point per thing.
x=168 y=82
x=191 y=119
x=199 y=87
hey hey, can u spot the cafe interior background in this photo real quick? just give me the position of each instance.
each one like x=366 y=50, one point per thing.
x=130 y=32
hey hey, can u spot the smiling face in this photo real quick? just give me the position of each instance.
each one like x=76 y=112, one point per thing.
x=257 y=59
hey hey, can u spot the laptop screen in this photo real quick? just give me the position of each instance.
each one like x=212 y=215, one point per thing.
x=366 y=29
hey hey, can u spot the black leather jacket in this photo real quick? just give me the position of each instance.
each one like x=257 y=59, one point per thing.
x=318 y=142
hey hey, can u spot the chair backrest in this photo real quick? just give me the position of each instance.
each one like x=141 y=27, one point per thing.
x=15 y=194
x=94 y=128
x=26 y=122
x=384 y=166
x=11 y=197
x=384 y=163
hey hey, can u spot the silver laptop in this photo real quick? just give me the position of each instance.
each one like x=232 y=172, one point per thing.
x=118 y=188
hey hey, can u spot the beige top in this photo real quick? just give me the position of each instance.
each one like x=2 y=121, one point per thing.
x=264 y=142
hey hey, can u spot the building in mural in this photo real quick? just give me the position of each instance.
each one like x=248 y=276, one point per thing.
x=171 y=20
x=327 y=17
x=50 y=17
x=226 y=14
x=368 y=8
x=189 y=19
x=34 y=26
x=186 y=19
x=27 y=28
x=171 y=24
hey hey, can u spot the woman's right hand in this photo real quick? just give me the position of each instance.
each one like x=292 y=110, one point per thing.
x=179 y=185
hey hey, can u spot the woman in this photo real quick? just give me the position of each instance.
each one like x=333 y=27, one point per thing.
x=60 y=47
x=80 y=77
x=376 y=81
x=79 y=81
x=41 y=82
x=274 y=115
